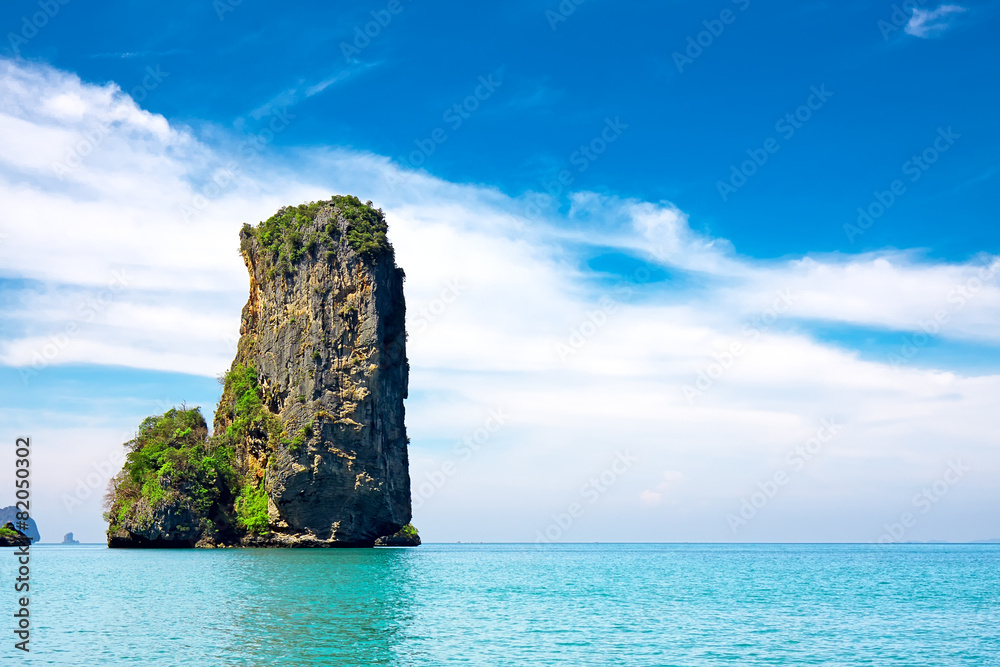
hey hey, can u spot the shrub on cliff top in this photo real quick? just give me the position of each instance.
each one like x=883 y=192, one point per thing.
x=284 y=234
x=366 y=226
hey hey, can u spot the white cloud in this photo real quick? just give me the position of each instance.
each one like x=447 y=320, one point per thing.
x=143 y=200
x=650 y=498
x=931 y=22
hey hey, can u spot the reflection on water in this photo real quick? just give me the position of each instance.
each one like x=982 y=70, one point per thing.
x=217 y=607
x=323 y=607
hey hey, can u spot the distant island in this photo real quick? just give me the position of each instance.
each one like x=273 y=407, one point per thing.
x=309 y=446
x=9 y=515
x=68 y=539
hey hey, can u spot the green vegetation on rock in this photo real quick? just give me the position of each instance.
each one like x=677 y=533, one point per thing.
x=300 y=438
x=366 y=226
x=173 y=472
x=243 y=400
x=287 y=236
x=404 y=537
x=10 y=533
x=176 y=479
x=251 y=509
x=242 y=395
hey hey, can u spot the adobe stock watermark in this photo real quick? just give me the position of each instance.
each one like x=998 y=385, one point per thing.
x=93 y=481
x=914 y=168
x=463 y=450
x=796 y=460
x=957 y=298
x=724 y=360
x=454 y=117
x=223 y=7
x=581 y=158
x=231 y=341
x=583 y=332
x=595 y=319
x=103 y=471
x=226 y=178
x=22 y=583
x=94 y=137
x=562 y=12
x=786 y=126
x=365 y=33
x=714 y=28
x=31 y=24
x=88 y=309
x=924 y=502
x=899 y=17
x=591 y=491
x=430 y=312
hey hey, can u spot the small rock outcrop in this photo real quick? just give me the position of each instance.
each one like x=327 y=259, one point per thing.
x=9 y=513
x=405 y=537
x=176 y=485
x=309 y=447
x=12 y=537
x=68 y=539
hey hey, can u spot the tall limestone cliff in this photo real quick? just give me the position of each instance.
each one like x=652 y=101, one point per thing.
x=324 y=329
x=309 y=445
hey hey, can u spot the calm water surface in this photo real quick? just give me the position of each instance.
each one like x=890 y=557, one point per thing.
x=513 y=605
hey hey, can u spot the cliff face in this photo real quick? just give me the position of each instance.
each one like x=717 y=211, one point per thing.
x=309 y=445
x=324 y=330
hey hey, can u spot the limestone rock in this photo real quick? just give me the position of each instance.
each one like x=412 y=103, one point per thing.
x=405 y=537
x=324 y=330
x=309 y=447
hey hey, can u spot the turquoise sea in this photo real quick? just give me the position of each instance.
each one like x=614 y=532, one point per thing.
x=491 y=604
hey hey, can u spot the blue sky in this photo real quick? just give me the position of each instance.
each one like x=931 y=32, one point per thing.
x=591 y=157
x=685 y=128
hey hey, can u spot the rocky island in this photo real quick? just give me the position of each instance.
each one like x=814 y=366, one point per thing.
x=406 y=537
x=9 y=514
x=12 y=537
x=309 y=446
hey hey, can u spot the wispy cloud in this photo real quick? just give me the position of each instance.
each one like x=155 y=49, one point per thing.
x=126 y=55
x=282 y=100
x=326 y=83
x=533 y=94
x=294 y=95
x=931 y=22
